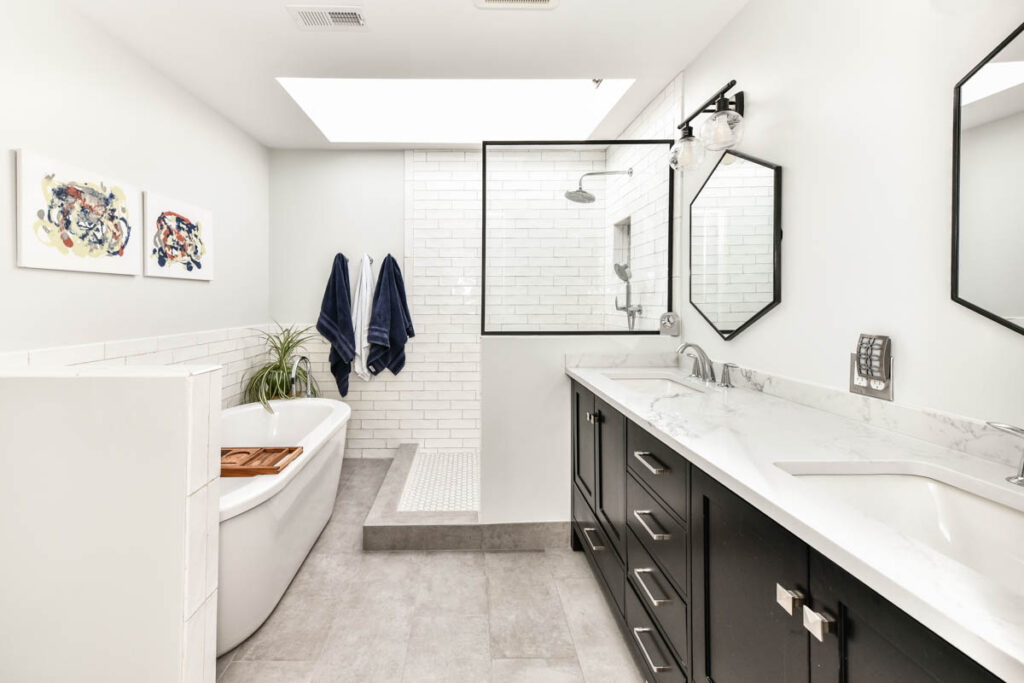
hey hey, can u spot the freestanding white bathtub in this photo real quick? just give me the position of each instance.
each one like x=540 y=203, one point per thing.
x=268 y=523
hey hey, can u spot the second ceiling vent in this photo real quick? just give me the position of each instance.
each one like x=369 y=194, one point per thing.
x=327 y=18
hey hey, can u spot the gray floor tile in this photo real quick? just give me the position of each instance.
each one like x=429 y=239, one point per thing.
x=267 y=672
x=524 y=608
x=224 y=660
x=567 y=564
x=366 y=644
x=358 y=616
x=448 y=649
x=452 y=583
x=603 y=655
x=536 y=671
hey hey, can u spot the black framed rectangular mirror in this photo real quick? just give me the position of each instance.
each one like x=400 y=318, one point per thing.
x=988 y=205
x=736 y=243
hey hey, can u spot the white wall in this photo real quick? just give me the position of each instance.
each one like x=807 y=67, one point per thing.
x=323 y=202
x=992 y=215
x=71 y=93
x=854 y=100
x=525 y=468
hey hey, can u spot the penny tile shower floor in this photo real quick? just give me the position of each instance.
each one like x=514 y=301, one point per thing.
x=442 y=481
x=478 y=617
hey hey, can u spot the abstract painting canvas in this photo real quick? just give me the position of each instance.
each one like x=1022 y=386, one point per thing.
x=179 y=239
x=70 y=219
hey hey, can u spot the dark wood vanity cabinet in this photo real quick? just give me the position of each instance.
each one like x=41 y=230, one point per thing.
x=707 y=588
x=747 y=569
x=873 y=640
x=740 y=631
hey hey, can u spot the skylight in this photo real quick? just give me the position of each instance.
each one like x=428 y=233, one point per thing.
x=993 y=78
x=454 y=111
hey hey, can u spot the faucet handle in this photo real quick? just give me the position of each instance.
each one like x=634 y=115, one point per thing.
x=726 y=381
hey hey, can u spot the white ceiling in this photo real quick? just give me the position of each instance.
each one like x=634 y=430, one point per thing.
x=228 y=52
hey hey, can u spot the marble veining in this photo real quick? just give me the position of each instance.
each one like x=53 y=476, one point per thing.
x=956 y=432
x=737 y=436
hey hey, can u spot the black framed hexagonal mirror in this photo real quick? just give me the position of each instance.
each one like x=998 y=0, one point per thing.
x=735 y=243
x=988 y=160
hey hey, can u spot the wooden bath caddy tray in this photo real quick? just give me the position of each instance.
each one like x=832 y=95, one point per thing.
x=248 y=462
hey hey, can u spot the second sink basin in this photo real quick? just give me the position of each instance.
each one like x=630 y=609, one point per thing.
x=977 y=524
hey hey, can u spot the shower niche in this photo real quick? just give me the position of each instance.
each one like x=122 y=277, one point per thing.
x=577 y=237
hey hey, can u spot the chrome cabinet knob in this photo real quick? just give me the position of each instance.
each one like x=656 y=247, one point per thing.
x=818 y=624
x=788 y=599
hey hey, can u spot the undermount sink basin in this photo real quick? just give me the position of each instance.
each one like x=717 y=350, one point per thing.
x=656 y=386
x=651 y=382
x=977 y=523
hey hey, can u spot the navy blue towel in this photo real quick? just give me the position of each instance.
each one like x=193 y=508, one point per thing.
x=390 y=322
x=335 y=322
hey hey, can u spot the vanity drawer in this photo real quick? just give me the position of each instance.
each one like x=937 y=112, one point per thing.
x=658 y=663
x=661 y=534
x=598 y=548
x=662 y=600
x=662 y=469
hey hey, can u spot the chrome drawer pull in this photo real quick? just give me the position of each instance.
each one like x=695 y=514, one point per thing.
x=593 y=546
x=662 y=536
x=788 y=599
x=639 y=579
x=648 y=460
x=818 y=623
x=594 y=418
x=654 y=667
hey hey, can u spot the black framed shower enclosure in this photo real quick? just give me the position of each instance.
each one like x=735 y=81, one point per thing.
x=666 y=143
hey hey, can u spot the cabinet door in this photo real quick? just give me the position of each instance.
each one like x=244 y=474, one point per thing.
x=610 y=496
x=873 y=641
x=741 y=634
x=584 y=464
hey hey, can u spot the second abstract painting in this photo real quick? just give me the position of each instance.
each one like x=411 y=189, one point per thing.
x=179 y=239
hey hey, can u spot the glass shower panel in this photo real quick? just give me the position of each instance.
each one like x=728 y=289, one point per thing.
x=577 y=237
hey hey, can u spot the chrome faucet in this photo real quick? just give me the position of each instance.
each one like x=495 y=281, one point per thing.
x=1018 y=478
x=702 y=366
x=295 y=375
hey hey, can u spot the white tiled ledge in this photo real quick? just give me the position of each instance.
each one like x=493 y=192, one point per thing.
x=235 y=349
x=738 y=435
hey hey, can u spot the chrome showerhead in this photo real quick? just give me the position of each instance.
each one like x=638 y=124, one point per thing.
x=580 y=196
x=622 y=270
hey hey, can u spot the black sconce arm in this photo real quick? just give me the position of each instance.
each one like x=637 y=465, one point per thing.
x=737 y=101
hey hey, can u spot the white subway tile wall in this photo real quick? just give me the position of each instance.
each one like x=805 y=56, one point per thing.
x=545 y=253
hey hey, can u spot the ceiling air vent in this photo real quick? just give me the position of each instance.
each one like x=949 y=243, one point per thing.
x=516 y=4
x=327 y=18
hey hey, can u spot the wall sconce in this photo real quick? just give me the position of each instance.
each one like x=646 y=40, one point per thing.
x=723 y=130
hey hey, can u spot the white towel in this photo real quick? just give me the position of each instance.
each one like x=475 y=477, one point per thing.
x=361 y=308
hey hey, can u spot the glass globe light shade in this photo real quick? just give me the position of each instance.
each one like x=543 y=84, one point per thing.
x=687 y=152
x=724 y=129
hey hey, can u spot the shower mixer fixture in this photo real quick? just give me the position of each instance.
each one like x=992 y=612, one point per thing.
x=723 y=130
x=581 y=196
x=632 y=310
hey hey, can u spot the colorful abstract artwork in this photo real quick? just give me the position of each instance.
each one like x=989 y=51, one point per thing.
x=179 y=239
x=70 y=219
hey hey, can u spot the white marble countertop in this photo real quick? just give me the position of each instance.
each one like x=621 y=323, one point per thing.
x=737 y=435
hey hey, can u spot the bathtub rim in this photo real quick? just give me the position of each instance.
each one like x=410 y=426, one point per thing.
x=263 y=487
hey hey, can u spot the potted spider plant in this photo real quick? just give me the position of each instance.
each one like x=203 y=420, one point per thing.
x=274 y=380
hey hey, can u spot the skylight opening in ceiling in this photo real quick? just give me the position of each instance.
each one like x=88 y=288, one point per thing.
x=454 y=111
